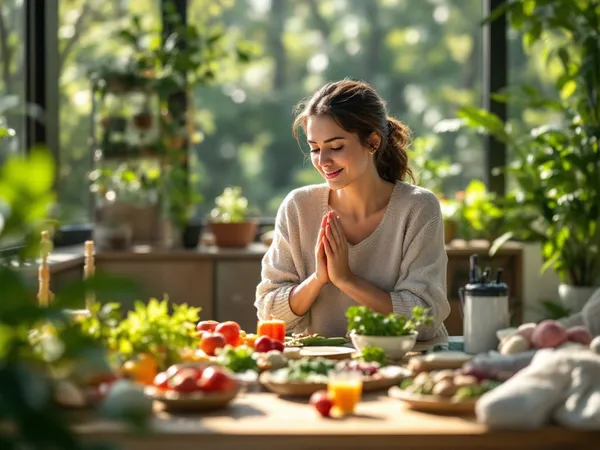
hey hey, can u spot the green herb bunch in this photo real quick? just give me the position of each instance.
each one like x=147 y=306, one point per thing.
x=364 y=321
x=150 y=328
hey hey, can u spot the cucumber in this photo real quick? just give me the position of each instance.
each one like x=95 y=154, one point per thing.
x=316 y=341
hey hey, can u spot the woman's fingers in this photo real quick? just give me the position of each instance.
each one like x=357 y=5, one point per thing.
x=328 y=249
x=338 y=232
x=331 y=238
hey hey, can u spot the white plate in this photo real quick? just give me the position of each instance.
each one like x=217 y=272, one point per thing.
x=327 y=352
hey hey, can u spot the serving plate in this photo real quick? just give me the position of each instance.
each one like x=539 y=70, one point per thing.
x=433 y=403
x=327 y=352
x=193 y=401
x=388 y=376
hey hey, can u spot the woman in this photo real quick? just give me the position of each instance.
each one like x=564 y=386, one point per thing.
x=364 y=236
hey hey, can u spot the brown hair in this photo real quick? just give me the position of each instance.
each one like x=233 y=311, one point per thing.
x=356 y=107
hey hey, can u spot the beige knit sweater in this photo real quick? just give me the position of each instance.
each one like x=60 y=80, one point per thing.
x=405 y=255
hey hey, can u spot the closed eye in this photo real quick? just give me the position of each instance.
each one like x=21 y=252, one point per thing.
x=335 y=149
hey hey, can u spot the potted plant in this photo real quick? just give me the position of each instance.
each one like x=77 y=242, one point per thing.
x=229 y=222
x=451 y=213
x=555 y=166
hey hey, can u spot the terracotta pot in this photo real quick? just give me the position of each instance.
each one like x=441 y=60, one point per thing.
x=233 y=234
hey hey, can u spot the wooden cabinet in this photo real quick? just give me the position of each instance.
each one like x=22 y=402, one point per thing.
x=235 y=287
x=184 y=281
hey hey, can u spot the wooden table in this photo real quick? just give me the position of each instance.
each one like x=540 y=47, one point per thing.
x=262 y=421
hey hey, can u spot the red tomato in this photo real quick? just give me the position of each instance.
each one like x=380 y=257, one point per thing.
x=263 y=344
x=211 y=342
x=322 y=403
x=216 y=379
x=207 y=325
x=186 y=380
x=161 y=380
x=231 y=331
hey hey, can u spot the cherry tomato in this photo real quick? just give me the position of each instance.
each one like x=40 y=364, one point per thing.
x=263 y=344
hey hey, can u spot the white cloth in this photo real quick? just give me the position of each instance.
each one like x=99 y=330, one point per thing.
x=563 y=385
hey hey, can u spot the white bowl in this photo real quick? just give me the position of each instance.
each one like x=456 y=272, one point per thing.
x=395 y=347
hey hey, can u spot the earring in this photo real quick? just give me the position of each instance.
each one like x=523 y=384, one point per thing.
x=373 y=150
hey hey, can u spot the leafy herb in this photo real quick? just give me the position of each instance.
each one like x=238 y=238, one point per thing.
x=372 y=353
x=237 y=359
x=366 y=322
x=305 y=368
x=149 y=328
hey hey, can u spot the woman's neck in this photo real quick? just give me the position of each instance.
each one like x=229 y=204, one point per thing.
x=362 y=198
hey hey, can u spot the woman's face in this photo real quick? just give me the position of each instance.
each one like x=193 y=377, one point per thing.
x=337 y=155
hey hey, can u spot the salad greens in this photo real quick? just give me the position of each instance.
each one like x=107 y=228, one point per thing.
x=364 y=321
x=372 y=353
x=307 y=369
x=237 y=359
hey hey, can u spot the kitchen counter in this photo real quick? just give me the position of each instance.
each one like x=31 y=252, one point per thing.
x=264 y=421
x=223 y=281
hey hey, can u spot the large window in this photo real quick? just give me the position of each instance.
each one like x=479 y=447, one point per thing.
x=424 y=57
x=12 y=86
x=87 y=31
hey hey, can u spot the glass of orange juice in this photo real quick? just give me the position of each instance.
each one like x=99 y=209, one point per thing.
x=345 y=389
x=273 y=328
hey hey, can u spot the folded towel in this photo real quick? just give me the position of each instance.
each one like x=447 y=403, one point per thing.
x=563 y=385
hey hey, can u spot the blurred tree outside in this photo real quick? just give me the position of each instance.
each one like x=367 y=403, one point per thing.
x=424 y=58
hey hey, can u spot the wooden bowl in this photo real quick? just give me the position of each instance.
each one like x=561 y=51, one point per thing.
x=194 y=401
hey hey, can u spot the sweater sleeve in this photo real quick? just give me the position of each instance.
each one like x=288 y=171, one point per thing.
x=278 y=275
x=422 y=279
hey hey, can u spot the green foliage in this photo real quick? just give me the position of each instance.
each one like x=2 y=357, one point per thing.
x=237 y=359
x=39 y=345
x=554 y=310
x=372 y=353
x=431 y=169
x=231 y=206
x=365 y=321
x=481 y=211
x=556 y=167
x=152 y=328
x=25 y=198
x=190 y=56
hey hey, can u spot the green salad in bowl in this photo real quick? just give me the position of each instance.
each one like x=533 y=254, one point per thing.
x=394 y=334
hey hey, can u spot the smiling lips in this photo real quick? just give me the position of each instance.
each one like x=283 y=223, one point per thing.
x=330 y=175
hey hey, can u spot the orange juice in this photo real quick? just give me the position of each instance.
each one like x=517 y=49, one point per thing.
x=273 y=328
x=345 y=392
